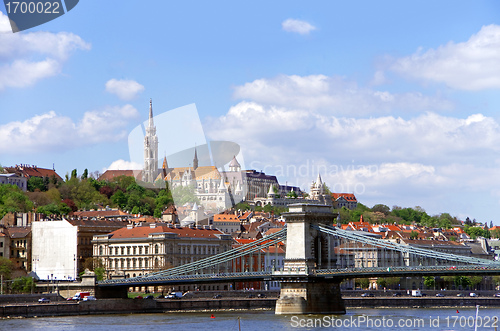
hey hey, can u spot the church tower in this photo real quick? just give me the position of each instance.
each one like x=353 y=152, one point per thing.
x=150 y=171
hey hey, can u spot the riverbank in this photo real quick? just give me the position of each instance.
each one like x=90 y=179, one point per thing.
x=134 y=306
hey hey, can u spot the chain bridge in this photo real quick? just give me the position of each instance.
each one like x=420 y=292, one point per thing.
x=319 y=256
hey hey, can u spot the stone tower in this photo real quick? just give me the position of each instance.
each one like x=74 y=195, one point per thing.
x=308 y=249
x=150 y=171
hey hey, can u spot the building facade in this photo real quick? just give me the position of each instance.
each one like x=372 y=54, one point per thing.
x=14 y=179
x=138 y=250
x=60 y=248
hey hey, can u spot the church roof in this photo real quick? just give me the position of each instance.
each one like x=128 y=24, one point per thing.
x=205 y=172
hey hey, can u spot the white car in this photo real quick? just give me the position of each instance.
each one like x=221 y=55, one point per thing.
x=89 y=298
x=472 y=294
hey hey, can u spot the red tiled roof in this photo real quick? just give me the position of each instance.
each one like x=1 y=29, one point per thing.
x=33 y=171
x=226 y=218
x=347 y=196
x=110 y=174
x=145 y=231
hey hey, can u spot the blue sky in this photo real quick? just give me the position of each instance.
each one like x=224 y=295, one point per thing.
x=395 y=101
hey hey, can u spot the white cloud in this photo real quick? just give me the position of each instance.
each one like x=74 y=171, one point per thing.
x=124 y=89
x=298 y=26
x=26 y=58
x=124 y=165
x=417 y=161
x=333 y=95
x=50 y=131
x=470 y=65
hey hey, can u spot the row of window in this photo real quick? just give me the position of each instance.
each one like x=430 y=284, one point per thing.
x=138 y=250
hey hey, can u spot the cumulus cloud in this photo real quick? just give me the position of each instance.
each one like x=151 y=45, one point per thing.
x=26 y=58
x=384 y=159
x=297 y=26
x=334 y=95
x=50 y=131
x=124 y=165
x=470 y=65
x=124 y=89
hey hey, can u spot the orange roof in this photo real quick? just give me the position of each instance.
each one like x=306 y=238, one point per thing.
x=145 y=231
x=347 y=196
x=226 y=218
x=110 y=174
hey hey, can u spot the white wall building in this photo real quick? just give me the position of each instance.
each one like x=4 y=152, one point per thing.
x=14 y=179
x=54 y=249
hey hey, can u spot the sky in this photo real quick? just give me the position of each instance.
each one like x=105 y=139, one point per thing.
x=394 y=101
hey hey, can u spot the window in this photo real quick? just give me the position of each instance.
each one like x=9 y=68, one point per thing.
x=146 y=250
x=134 y=250
x=157 y=250
x=140 y=250
x=101 y=250
x=123 y=250
x=128 y=250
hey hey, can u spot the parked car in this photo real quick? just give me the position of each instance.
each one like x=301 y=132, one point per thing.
x=44 y=300
x=251 y=295
x=261 y=295
x=217 y=296
x=89 y=298
x=460 y=295
x=149 y=297
x=397 y=294
x=472 y=294
x=440 y=295
x=364 y=295
x=496 y=295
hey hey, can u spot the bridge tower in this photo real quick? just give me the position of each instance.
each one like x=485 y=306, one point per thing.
x=307 y=249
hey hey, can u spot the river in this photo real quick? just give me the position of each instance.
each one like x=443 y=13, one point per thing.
x=355 y=319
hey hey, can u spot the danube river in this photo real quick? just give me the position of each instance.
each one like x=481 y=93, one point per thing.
x=355 y=319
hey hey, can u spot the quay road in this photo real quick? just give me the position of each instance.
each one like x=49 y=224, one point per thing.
x=126 y=306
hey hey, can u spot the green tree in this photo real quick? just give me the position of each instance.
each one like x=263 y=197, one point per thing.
x=50 y=209
x=382 y=282
x=85 y=174
x=99 y=273
x=23 y=285
x=119 y=199
x=12 y=199
x=381 y=209
x=462 y=281
x=6 y=267
x=362 y=282
x=429 y=281
x=36 y=183
x=74 y=173
x=474 y=280
x=413 y=235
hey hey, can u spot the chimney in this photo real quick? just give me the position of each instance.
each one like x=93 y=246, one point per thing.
x=130 y=226
x=152 y=225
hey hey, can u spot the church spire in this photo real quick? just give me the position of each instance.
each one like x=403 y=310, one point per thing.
x=151 y=123
x=195 y=160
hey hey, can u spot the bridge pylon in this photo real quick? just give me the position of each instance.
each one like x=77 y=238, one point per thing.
x=307 y=249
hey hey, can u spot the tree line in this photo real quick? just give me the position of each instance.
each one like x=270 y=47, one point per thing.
x=52 y=197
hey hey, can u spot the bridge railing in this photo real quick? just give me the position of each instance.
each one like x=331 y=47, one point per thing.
x=406 y=249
